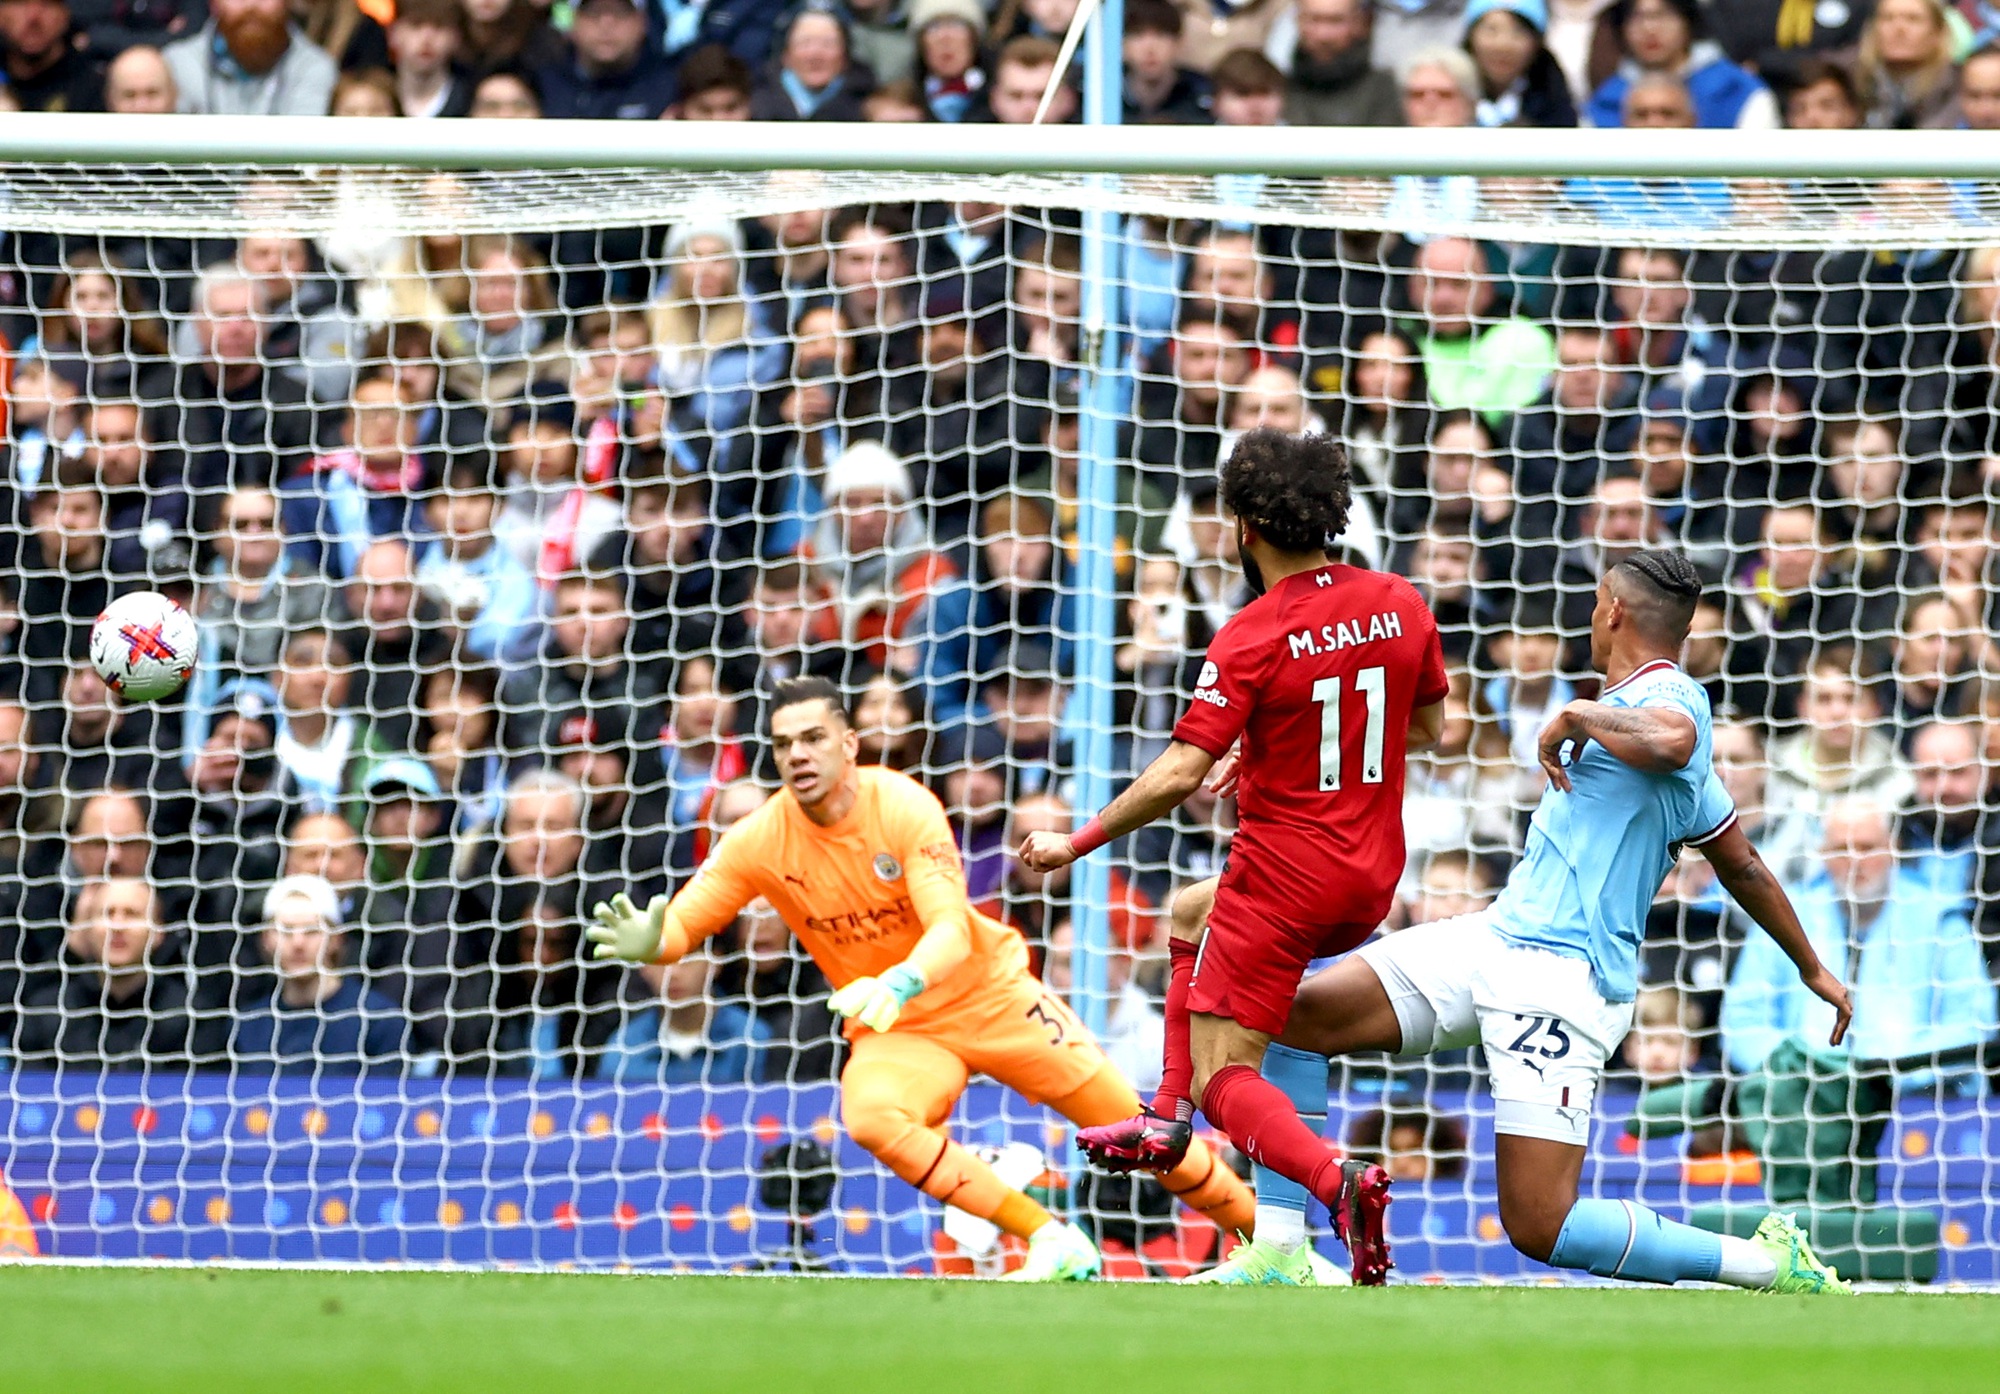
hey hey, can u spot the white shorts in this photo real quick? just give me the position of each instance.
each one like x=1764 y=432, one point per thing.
x=1546 y=1030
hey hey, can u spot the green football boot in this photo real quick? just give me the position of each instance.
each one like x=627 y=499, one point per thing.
x=1258 y=1264
x=1799 y=1268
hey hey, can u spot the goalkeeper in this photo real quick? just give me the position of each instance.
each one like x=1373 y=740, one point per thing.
x=862 y=865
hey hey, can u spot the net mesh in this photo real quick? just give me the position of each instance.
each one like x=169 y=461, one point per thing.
x=389 y=201
x=503 y=500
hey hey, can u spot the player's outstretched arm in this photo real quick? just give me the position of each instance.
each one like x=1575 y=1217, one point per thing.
x=1654 y=740
x=671 y=925
x=1744 y=875
x=1157 y=791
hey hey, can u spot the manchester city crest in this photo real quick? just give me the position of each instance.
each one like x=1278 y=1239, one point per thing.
x=887 y=868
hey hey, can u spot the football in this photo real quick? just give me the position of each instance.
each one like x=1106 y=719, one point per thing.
x=143 y=646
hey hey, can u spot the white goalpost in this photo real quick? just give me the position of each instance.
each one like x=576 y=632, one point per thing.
x=507 y=465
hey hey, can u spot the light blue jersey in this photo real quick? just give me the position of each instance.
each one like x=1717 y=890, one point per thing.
x=1596 y=855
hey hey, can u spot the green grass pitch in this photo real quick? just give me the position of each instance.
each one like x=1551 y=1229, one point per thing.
x=211 y=1331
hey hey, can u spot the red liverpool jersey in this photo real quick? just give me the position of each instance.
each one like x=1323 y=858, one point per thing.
x=1319 y=678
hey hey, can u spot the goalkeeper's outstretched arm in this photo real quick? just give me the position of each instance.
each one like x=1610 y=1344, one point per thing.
x=666 y=927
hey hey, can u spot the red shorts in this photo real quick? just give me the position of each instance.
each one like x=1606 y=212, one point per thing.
x=1251 y=961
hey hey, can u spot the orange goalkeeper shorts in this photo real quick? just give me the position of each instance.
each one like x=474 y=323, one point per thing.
x=1019 y=1033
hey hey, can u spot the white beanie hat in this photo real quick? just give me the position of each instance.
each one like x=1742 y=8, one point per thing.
x=867 y=464
x=316 y=891
x=923 y=12
x=705 y=223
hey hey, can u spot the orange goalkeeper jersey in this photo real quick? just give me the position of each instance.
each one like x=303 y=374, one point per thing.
x=859 y=894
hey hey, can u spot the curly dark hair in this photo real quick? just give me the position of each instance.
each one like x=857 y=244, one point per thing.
x=1295 y=490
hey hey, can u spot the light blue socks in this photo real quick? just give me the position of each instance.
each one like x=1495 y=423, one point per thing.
x=1617 y=1239
x=1281 y=1201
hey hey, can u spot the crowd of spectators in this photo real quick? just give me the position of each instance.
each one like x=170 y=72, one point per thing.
x=498 y=544
x=1887 y=64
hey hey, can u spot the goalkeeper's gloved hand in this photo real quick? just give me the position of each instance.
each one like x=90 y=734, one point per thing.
x=877 y=1002
x=625 y=931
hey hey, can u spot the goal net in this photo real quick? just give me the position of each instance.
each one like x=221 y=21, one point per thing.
x=504 y=497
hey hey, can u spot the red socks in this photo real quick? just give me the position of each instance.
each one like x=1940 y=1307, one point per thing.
x=1174 y=1098
x=1261 y=1120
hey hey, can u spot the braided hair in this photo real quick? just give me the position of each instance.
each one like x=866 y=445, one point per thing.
x=1662 y=591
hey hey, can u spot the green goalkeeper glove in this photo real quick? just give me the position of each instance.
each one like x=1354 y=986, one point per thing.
x=877 y=1002
x=625 y=931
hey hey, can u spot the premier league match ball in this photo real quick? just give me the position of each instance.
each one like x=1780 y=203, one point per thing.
x=143 y=646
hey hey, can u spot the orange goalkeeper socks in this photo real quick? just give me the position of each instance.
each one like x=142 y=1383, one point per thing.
x=1019 y=1215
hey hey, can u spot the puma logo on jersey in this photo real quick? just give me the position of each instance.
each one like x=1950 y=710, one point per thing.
x=1331 y=638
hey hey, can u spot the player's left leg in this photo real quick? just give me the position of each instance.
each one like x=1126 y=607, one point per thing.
x=1301 y=1077
x=1547 y=1035
x=1257 y=1114
x=1342 y=1009
x=1546 y=1220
